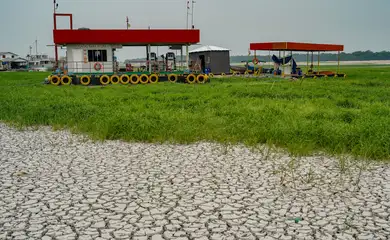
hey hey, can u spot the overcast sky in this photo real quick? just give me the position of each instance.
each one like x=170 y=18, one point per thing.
x=358 y=24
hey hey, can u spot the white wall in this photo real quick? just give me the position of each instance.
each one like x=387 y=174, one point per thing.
x=77 y=58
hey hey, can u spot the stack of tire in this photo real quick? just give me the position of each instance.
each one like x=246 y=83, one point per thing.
x=124 y=79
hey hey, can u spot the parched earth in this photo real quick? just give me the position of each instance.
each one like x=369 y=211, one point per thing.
x=54 y=185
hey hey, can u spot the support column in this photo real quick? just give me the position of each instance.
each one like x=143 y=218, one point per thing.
x=269 y=59
x=284 y=55
x=312 y=61
x=181 y=58
x=56 y=55
x=150 y=58
x=318 y=68
x=187 y=57
x=307 y=63
x=338 y=62
x=147 y=57
x=291 y=62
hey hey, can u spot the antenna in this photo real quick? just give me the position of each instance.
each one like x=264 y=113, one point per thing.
x=55 y=5
x=192 y=12
x=188 y=8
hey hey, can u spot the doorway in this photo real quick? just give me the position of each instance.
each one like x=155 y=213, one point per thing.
x=202 y=63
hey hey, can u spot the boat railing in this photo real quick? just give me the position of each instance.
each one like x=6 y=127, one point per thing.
x=115 y=67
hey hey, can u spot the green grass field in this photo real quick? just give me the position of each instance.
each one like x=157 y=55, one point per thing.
x=338 y=116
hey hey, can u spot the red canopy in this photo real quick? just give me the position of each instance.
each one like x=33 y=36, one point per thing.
x=134 y=37
x=294 y=46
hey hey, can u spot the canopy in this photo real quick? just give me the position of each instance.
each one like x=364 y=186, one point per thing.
x=134 y=37
x=209 y=48
x=295 y=46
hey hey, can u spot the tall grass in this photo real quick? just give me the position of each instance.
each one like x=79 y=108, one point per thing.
x=334 y=115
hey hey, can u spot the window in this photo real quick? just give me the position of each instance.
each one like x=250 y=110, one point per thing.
x=97 y=55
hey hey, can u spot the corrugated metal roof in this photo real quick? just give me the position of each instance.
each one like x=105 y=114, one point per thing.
x=209 y=48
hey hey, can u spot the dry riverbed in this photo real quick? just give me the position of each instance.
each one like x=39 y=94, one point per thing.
x=55 y=185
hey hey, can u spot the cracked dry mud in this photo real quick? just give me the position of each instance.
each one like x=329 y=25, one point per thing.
x=54 y=185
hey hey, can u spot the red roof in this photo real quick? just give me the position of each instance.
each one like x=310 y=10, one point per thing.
x=134 y=37
x=293 y=46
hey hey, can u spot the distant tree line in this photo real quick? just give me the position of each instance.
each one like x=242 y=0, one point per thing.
x=301 y=57
x=355 y=56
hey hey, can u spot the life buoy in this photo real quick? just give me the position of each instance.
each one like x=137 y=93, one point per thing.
x=98 y=66
x=255 y=60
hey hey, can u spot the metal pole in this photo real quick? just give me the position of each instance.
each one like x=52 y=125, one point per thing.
x=307 y=63
x=55 y=27
x=187 y=57
x=338 y=62
x=188 y=8
x=157 y=61
x=147 y=57
x=291 y=62
x=192 y=14
x=312 y=61
x=150 y=58
x=269 y=58
x=284 y=55
x=181 y=57
x=318 y=63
